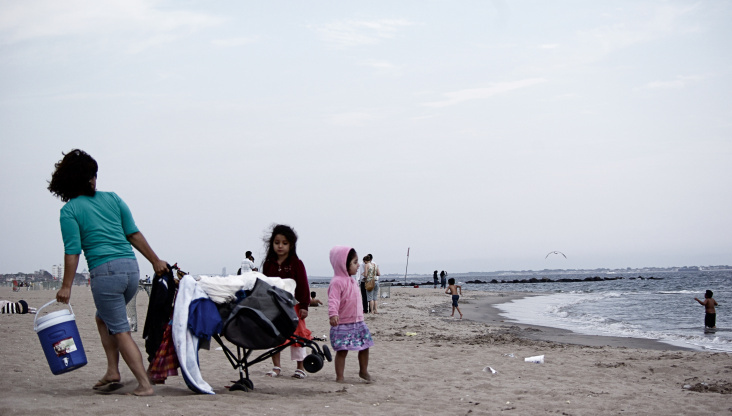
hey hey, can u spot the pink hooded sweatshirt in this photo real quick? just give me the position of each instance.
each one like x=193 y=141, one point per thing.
x=344 y=296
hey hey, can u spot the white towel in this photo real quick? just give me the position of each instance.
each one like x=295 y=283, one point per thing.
x=223 y=289
x=186 y=344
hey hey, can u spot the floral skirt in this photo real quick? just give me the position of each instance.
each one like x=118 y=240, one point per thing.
x=351 y=337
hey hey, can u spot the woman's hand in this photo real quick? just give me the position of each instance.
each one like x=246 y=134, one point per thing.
x=303 y=313
x=334 y=320
x=160 y=267
x=63 y=295
x=71 y=262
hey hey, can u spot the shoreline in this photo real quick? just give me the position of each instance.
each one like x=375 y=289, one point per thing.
x=483 y=309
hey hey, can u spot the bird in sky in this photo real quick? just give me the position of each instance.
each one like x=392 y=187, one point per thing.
x=554 y=252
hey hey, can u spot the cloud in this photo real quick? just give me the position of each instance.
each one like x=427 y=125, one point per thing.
x=637 y=26
x=679 y=82
x=234 y=42
x=549 y=46
x=354 y=118
x=424 y=117
x=382 y=67
x=457 y=97
x=351 y=33
x=139 y=22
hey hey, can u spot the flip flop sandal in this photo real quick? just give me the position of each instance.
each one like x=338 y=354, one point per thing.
x=109 y=387
x=299 y=374
x=274 y=372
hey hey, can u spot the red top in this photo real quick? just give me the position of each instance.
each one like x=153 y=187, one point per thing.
x=296 y=272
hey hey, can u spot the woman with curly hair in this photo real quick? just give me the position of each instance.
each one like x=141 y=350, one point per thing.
x=101 y=225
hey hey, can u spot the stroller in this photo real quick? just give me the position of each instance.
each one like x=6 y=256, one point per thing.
x=264 y=319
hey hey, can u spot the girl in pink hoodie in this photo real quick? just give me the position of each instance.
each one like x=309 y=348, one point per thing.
x=348 y=331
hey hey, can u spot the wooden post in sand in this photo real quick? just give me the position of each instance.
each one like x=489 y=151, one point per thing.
x=405 y=270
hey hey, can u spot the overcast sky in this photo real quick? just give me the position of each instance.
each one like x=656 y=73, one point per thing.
x=482 y=134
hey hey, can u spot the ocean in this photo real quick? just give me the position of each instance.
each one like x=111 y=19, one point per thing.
x=662 y=308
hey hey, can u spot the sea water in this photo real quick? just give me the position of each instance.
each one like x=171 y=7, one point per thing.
x=662 y=308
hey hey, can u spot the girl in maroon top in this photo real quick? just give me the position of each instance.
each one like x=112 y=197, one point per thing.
x=282 y=261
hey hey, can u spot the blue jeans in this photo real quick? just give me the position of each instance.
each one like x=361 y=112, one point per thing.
x=113 y=285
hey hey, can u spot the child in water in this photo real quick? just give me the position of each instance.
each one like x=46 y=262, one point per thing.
x=348 y=331
x=710 y=318
x=455 y=291
x=282 y=261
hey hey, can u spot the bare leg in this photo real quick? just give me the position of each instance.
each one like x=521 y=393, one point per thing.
x=276 y=363
x=340 y=365
x=461 y=314
x=132 y=356
x=363 y=364
x=111 y=350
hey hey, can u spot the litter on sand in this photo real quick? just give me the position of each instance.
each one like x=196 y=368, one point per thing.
x=411 y=334
x=490 y=370
x=509 y=355
x=538 y=359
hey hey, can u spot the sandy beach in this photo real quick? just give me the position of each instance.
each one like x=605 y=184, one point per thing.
x=424 y=362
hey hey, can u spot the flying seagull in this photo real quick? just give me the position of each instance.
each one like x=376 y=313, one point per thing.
x=555 y=252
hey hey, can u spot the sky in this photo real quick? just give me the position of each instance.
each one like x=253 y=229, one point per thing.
x=481 y=135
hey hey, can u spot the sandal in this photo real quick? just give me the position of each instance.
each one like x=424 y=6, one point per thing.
x=107 y=386
x=274 y=372
x=299 y=374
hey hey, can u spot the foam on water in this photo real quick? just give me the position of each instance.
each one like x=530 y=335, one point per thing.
x=660 y=313
x=677 y=292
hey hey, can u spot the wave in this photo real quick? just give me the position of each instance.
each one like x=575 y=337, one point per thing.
x=610 y=314
x=678 y=292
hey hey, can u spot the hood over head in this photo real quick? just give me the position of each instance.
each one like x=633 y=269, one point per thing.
x=338 y=256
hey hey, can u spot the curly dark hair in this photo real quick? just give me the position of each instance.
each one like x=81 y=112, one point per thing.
x=73 y=175
x=285 y=231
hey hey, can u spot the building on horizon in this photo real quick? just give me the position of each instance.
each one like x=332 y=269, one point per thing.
x=57 y=271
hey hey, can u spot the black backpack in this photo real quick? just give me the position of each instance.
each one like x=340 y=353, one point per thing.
x=264 y=319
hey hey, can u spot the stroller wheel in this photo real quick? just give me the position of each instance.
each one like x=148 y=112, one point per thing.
x=326 y=353
x=242 y=385
x=313 y=363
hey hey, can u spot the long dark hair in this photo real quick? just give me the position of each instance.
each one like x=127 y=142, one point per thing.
x=351 y=255
x=287 y=232
x=73 y=175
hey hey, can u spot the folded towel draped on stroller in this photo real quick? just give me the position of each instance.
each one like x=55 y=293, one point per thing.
x=264 y=319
